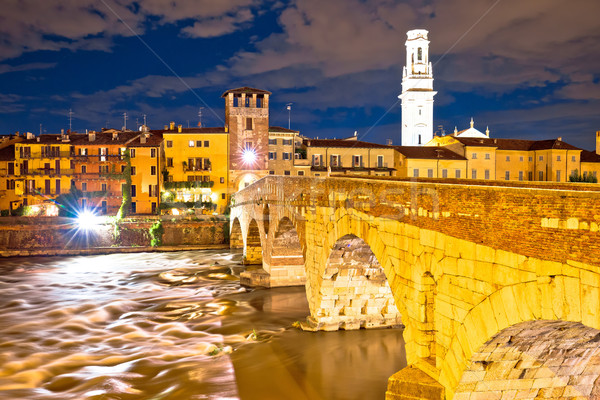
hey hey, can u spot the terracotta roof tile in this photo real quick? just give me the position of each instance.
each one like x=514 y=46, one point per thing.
x=589 y=156
x=428 y=152
x=218 y=129
x=280 y=129
x=343 y=143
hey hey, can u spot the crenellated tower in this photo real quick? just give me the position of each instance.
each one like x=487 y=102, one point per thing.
x=417 y=91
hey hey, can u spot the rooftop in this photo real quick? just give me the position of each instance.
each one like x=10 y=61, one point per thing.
x=246 y=89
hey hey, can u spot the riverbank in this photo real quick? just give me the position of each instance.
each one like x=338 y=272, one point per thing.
x=56 y=236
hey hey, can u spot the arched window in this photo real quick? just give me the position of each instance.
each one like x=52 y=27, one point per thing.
x=419 y=54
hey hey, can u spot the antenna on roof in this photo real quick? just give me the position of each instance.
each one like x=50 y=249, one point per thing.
x=144 y=119
x=124 y=121
x=70 y=119
x=199 y=117
x=288 y=106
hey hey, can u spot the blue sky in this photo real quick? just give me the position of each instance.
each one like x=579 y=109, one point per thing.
x=527 y=69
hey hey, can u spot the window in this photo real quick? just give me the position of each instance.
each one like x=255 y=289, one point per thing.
x=57 y=186
x=558 y=174
x=153 y=207
x=573 y=172
x=457 y=174
x=300 y=173
x=530 y=176
x=541 y=158
x=273 y=142
x=198 y=143
x=520 y=175
x=419 y=54
x=530 y=159
x=487 y=174
x=104 y=153
x=541 y=175
x=317 y=158
x=248 y=124
x=474 y=156
x=507 y=158
x=335 y=160
x=444 y=173
x=122 y=168
x=223 y=196
x=430 y=173
x=133 y=191
x=153 y=190
x=131 y=153
x=103 y=169
x=271 y=172
x=507 y=175
x=153 y=170
x=287 y=156
x=11 y=168
x=247 y=102
x=521 y=158
x=84 y=169
x=260 y=100
x=416 y=173
x=357 y=161
x=133 y=207
x=473 y=174
x=287 y=142
x=573 y=158
x=272 y=155
x=83 y=203
x=191 y=143
x=153 y=153
x=132 y=171
x=557 y=158
x=84 y=186
x=103 y=187
x=169 y=161
x=379 y=161
x=169 y=143
x=206 y=143
x=286 y=172
x=487 y=156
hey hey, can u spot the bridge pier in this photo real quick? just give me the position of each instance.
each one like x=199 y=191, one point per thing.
x=411 y=383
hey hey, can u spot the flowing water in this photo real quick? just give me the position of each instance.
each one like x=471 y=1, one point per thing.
x=173 y=326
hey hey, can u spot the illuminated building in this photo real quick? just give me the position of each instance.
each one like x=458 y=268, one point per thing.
x=146 y=156
x=195 y=167
x=43 y=168
x=98 y=162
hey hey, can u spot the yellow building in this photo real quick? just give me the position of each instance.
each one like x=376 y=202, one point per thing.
x=196 y=168
x=43 y=168
x=349 y=157
x=146 y=154
x=8 y=198
x=282 y=150
x=430 y=162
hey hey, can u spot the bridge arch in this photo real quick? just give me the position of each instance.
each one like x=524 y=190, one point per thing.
x=535 y=359
x=236 y=238
x=354 y=291
x=285 y=263
x=548 y=298
x=253 y=249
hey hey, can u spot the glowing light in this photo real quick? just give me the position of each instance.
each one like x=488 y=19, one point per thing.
x=87 y=220
x=174 y=211
x=249 y=156
x=52 y=211
x=214 y=197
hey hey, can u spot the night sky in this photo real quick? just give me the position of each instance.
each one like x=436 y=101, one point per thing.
x=528 y=69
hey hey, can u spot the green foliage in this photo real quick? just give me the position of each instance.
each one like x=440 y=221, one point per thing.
x=188 y=184
x=126 y=203
x=4 y=213
x=165 y=174
x=587 y=178
x=186 y=204
x=156 y=233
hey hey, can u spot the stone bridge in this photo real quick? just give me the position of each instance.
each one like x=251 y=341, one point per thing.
x=497 y=284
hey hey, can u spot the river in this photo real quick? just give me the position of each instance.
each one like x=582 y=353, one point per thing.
x=173 y=326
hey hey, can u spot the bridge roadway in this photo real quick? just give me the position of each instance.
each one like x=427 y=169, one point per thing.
x=473 y=270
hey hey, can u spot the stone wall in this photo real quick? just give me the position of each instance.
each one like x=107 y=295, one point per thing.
x=23 y=235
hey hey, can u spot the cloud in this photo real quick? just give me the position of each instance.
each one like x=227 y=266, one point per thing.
x=5 y=68
x=32 y=25
x=218 y=26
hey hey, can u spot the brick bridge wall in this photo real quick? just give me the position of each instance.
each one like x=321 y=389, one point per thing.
x=463 y=261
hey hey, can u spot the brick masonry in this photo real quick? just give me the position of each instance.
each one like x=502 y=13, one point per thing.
x=463 y=261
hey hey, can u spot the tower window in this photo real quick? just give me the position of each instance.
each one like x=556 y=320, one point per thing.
x=247 y=102
x=248 y=123
x=260 y=101
x=419 y=139
x=419 y=54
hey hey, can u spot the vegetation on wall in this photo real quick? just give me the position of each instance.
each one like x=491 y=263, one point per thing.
x=588 y=178
x=156 y=234
x=188 y=184
x=126 y=203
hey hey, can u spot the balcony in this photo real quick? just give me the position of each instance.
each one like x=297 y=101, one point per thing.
x=51 y=155
x=98 y=176
x=112 y=158
x=188 y=185
x=194 y=168
x=47 y=172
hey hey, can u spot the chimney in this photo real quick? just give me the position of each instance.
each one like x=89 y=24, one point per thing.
x=172 y=126
x=179 y=127
x=29 y=135
x=166 y=127
x=389 y=142
x=559 y=138
x=115 y=135
x=487 y=131
x=143 y=139
x=598 y=142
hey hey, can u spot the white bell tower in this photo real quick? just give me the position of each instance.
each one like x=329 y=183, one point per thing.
x=417 y=91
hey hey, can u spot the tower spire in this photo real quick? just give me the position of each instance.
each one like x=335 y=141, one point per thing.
x=417 y=91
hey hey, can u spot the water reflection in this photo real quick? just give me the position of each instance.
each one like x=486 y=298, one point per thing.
x=173 y=326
